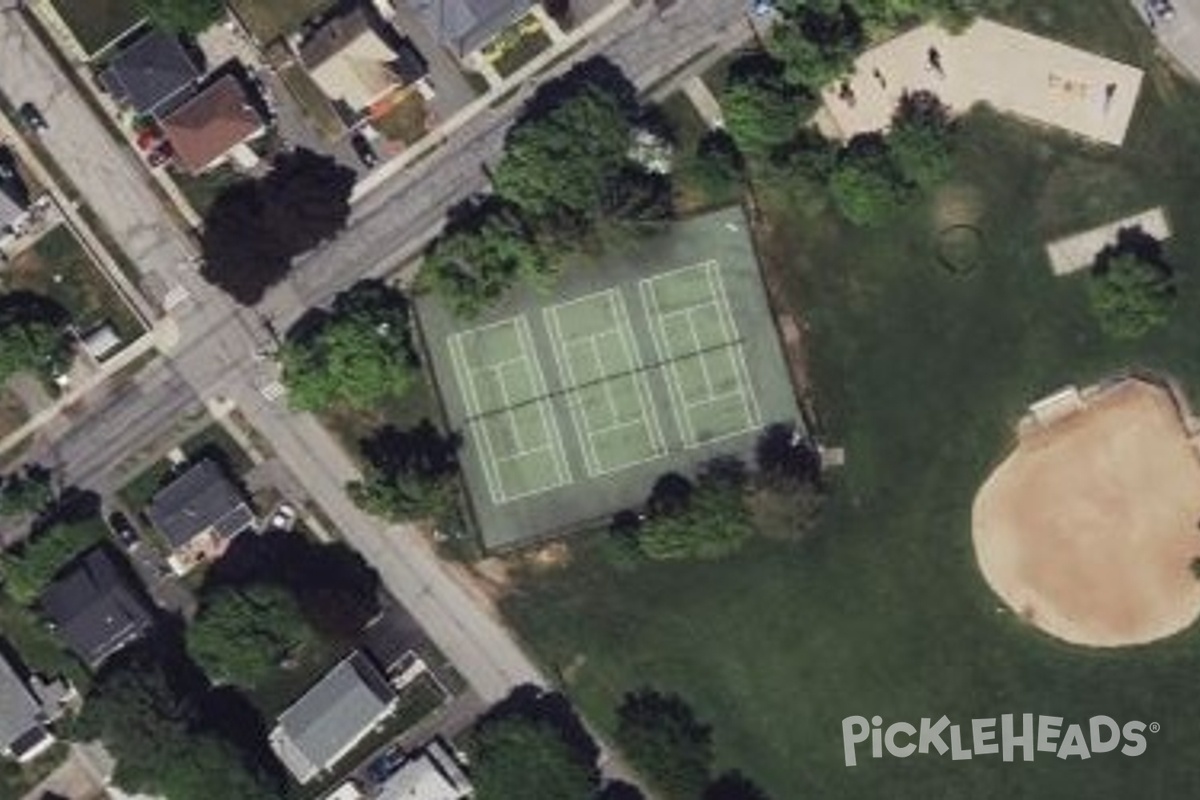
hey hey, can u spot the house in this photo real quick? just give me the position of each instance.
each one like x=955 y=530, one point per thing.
x=199 y=513
x=14 y=197
x=93 y=609
x=338 y=712
x=464 y=26
x=356 y=65
x=27 y=707
x=150 y=73
x=204 y=128
x=431 y=774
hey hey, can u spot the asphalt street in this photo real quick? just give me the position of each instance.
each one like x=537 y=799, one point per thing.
x=219 y=342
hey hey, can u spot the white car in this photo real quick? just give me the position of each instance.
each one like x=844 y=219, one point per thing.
x=284 y=518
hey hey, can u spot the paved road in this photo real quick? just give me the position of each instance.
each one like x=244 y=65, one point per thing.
x=1179 y=35
x=216 y=358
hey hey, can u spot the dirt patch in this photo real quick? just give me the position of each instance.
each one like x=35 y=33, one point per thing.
x=957 y=204
x=1089 y=528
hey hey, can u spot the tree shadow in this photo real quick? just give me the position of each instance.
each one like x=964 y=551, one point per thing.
x=597 y=72
x=1134 y=241
x=782 y=452
x=734 y=786
x=532 y=703
x=422 y=449
x=337 y=590
x=24 y=307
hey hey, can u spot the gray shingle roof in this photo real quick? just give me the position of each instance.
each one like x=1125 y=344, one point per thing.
x=199 y=499
x=21 y=718
x=92 y=608
x=464 y=25
x=150 y=72
x=332 y=716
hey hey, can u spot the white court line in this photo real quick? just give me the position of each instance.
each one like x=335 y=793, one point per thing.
x=672 y=272
x=558 y=344
x=753 y=410
x=657 y=336
x=487 y=458
x=508 y=409
x=634 y=356
x=525 y=336
x=701 y=356
x=603 y=381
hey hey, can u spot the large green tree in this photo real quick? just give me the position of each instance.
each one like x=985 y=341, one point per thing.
x=485 y=251
x=663 y=740
x=708 y=521
x=1131 y=295
x=29 y=567
x=761 y=111
x=815 y=41
x=866 y=186
x=919 y=141
x=242 y=634
x=158 y=743
x=183 y=16
x=411 y=474
x=356 y=355
x=26 y=492
x=533 y=748
x=568 y=157
x=31 y=346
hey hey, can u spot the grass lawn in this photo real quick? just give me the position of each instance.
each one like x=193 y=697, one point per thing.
x=58 y=267
x=690 y=195
x=921 y=376
x=270 y=19
x=524 y=48
x=202 y=190
x=352 y=426
x=97 y=23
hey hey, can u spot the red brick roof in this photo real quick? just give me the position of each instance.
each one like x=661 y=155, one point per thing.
x=208 y=125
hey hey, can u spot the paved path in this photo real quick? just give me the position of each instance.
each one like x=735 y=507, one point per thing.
x=704 y=102
x=1016 y=72
x=1073 y=253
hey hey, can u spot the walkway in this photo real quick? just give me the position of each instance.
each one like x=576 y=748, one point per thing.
x=1016 y=72
x=1073 y=253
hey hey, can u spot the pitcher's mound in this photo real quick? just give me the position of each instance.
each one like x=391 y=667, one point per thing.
x=1089 y=528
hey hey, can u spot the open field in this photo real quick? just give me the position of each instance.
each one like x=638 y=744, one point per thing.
x=1088 y=528
x=921 y=375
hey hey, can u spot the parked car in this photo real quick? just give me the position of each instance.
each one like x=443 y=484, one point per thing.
x=123 y=529
x=284 y=518
x=362 y=148
x=32 y=118
x=384 y=765
x=1160 y=9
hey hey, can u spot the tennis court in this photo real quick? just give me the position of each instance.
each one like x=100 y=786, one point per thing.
x=704 y=363
x=606 y=388
x=505 y=395
x=653 y=358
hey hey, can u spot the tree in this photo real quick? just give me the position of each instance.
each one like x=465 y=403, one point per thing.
x=485 y=251
x=532 y=746
x=27 y=492
x=29 y=567
x=411 y=474
x=1131 y=295
x=919 y=140
x=816 y=42
x=242 y=635
x=158 y=742
x=255 y=227
x=716 y=168
x=734 y=786
x=762 y=111
x=29 y=346
x=708 y=522
x=663 y=740
x=568 y=151
x=865 y=185
x=183 y=16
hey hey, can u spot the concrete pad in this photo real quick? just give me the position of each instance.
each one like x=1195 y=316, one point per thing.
x=1018 y=73
x=704 y=102
x=1078 y=252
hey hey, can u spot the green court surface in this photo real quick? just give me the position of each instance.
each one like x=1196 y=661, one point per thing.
x=572 y=406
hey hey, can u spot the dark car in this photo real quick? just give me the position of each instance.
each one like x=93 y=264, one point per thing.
x=384 y=765
x=362 y=148
x=32 y=118
x=122 y=528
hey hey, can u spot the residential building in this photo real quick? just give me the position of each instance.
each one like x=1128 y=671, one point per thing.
x=431 y=774
x=199 y=513
x=27 y=707
x=358 y=62
x=206 y=127
x=14 y=197
x=150 y=73
x=338 y=712
x=92 y=608
x=464 y=26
